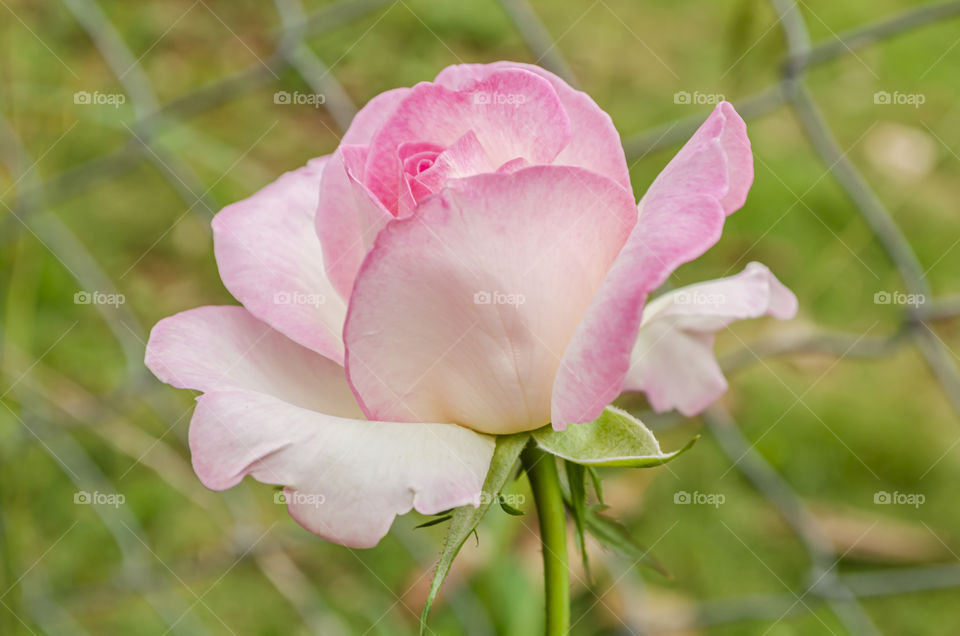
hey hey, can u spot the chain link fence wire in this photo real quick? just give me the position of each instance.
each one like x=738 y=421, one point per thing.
x=42 y=401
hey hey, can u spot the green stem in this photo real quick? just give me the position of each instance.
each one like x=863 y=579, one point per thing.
x=541 y=469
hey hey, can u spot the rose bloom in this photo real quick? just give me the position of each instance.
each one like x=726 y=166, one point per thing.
x=469 y=262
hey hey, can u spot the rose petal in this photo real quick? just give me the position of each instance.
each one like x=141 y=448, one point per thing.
x=345 y=479
x=681 y=216
x=536 y=128
x=371 y=117
x=724 y=133
x=428 y=340
x=222 y=348
x=599 y=354
x=271 y=261
x=594 y=142
x=285 y=415
x=690 y=377
x=464 y=158
x=673 y=361
x=348 y=217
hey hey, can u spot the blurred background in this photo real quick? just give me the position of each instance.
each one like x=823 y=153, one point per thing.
x=822 y=497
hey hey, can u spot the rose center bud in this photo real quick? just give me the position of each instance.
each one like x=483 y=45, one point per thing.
x=419 y=162
x=417 y=156
x=415 y=159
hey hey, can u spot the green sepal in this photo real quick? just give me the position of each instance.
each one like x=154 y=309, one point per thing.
x=616 y=438
x=466 y=518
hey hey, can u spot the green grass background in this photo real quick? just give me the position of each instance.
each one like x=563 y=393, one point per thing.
x=81 y=413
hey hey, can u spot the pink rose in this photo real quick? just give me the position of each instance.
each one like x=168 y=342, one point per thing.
x=408 y=143
x=469 y=262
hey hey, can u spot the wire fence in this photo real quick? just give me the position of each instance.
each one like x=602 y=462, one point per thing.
x=43 y=400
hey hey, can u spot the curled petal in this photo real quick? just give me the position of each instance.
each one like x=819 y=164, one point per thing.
x=344 y=479
x=673 y=362
x=271 y=261
x=464 y=158
x=716 y=161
